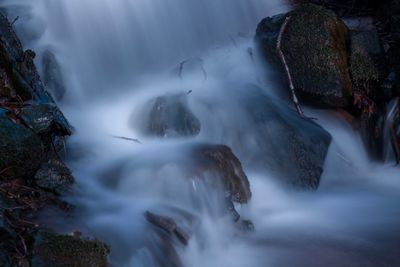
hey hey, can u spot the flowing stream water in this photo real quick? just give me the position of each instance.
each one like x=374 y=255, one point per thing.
x=117 y=55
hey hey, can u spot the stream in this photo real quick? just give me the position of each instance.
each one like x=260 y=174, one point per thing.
x=116 y=57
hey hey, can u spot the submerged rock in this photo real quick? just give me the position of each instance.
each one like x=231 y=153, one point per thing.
x=52 y=75
x=315 y=48
x=54 y=176
x=169 y=225
x=170 y=116
x=21 y=150
x=54 y=250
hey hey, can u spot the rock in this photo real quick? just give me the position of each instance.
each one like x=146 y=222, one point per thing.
x=166 y=235
x=169 y=225
x=368 y=65
x=54 y=176
x=316 y=51
x=393 y=13
x=7 y=247
x=170 y=116
x=45 y=119
x=52 y=76
x=54 y=250
x=221 y=160
x=21 y=150
x=291 y=147
x=345 y=8
x=245 y=226
x=19 y=65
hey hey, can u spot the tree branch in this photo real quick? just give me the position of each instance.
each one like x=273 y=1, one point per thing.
x=283 y=59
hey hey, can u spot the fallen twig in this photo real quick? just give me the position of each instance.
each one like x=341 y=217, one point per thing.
x=283 y=59
x=127 y=139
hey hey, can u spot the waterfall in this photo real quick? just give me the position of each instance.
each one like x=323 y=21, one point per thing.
x=116 y=57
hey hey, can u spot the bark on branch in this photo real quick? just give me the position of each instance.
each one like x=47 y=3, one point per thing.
x=283 y=59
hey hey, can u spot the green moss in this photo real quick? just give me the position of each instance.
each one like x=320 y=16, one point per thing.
x=53 y=250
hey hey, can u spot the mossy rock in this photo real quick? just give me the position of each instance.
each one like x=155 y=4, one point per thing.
x=54 y=250
x=21 y=150
x=315 y=45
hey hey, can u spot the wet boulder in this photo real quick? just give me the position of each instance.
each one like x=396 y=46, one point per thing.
x=315 y=46
x=221 y=160
x=54 y=176
x=292 y=148
x=170 y=116
x=54 y=250
x=52 y=76
x=21 y=150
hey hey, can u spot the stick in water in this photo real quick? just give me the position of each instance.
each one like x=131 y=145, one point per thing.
x=282 y=56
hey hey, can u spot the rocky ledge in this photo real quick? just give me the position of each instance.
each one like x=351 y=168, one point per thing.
x=32 y=173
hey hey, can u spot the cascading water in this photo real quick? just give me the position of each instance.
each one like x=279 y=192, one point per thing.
x=117 y=56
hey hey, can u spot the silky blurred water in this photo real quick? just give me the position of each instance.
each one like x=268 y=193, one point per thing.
x=117 y=55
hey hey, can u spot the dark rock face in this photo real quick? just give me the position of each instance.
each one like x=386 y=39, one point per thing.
x=291 y=147
x=21 y=150
x=220 y=159
x=52 y=75
x=19 y=66
x=30 y=124
x=54 y=250
x=315 y=48
x=28 y=116
x=170 y=116
x=346 y=7
x=54 y=176
x=367 y=64
x=391 y=17
x=6 y=245
x=45 y=119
